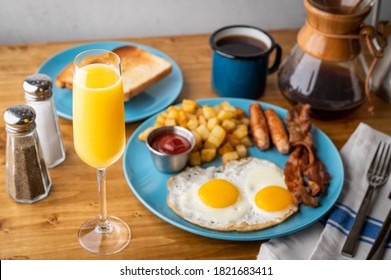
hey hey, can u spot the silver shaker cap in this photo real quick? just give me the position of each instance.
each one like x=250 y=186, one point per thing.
x=19 y=118
x=38 y=87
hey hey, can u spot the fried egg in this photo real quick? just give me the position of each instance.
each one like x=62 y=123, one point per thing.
x=243 y=195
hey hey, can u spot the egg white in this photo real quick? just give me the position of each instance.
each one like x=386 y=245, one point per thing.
x=248 y=175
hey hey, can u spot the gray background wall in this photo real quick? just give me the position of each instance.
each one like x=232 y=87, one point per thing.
x=24 y=21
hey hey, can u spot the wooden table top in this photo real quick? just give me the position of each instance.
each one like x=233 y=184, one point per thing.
x=48 y=228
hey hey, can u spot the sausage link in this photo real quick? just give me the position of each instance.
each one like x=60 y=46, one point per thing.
x=259 y=128
x=277 y=130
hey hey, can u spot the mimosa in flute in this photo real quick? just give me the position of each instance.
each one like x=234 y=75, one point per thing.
x=99 y=139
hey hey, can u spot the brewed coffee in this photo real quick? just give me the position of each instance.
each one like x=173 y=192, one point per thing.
x=331 y=90
x=240 y=45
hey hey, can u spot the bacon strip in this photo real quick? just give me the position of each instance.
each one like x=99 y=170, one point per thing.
x=303 y=162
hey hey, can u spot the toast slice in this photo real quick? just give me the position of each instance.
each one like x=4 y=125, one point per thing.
x=65 y=78
x=140 y=69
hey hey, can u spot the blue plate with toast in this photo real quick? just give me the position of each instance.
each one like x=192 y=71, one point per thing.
x=154 y=99
x=150 y=186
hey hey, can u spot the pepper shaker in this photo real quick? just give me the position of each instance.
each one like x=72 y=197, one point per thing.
x=27 y=177
x=38 y=94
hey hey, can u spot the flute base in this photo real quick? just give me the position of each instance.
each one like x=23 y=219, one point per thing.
x=109 y=239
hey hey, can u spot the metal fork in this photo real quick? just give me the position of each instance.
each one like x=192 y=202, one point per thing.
x=377 y=250
x=377 y=176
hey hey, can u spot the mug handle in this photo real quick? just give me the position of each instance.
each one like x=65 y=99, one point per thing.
x=277 y=60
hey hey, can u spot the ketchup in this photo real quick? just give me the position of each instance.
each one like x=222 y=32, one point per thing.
x=171 y=143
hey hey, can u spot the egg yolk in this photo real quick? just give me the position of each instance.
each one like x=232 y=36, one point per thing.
x=273 y=198
x=218 y=193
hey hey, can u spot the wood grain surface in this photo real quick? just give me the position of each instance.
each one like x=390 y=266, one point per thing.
x=48 y=228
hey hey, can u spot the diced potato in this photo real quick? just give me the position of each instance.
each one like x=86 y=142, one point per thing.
x=219 y=129
x=241 y=131
x=143 y=135
x=190 y=116
x=247 y=141
x=212 y=123
x=226 y=105
x=198 y=140
x=228 y=125
x=213 y=140
x=245 y=121
x=203 y=130
x=195 y=159
x=208 y=112
x=225 y=115
x=161 y=118
x=233 y=139
x=217 y=135
x=170 y=122
x=182 y=119
x=158 y=125
x=242 y=150
x=192 y=123
x=230 y=156
x=240 y=113
x=208 y=144
x=207 y=155
x=173 y=114
x=225 y=148
x=219 y=132
x=201 y=119
x=218 y=108
x=189 y=105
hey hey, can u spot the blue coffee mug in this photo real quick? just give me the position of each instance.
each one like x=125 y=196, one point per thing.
x=241 y=73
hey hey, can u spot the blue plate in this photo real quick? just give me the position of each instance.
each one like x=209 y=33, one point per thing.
x=149 y=185
x=154 y=99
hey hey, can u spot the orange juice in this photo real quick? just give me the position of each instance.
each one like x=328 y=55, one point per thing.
x=98 y=115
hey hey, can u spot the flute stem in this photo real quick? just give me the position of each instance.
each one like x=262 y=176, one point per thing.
x=104 y=226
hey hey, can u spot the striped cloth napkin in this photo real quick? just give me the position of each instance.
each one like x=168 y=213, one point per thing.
x=324 y=240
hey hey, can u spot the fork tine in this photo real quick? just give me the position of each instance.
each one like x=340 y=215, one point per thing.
x=382 y=161
x=375 y=160
x=385 y=170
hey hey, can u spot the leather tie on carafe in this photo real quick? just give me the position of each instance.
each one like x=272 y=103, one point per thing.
x=368 y=34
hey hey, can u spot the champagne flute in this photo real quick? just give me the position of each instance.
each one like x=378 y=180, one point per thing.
x=99 y=140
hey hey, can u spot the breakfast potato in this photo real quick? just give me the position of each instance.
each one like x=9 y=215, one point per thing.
x=203 y=130
x=228 y=125
x=189 y=105
x=212 y=122
x=222 y=129
x=230 y=156
x=209 y=145
x=246 y=141
x=241 y=131
x=170 y=122
x=225 y=115
x=207 y=155
x=208 y=112
x=217 y=135
x=143 y=135
x=225 y=148
x=242 y=150
x=192 y=124
x=195 y=159
x=198 y=140
x=233 y=139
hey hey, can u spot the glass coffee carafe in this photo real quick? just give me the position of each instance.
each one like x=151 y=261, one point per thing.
x=327 y=68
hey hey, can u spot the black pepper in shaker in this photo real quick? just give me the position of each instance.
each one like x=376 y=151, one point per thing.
x=27 y=176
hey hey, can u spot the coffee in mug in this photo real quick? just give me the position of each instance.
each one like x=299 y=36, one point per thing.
x=241 y=61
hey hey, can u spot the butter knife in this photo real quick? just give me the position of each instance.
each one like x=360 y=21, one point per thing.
x=377 y=250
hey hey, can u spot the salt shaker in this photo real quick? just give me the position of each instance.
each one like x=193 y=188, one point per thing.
x=27 y=177
x=38 y=94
